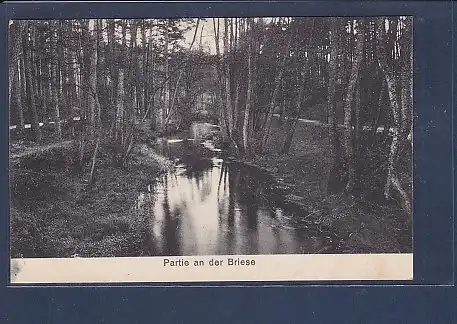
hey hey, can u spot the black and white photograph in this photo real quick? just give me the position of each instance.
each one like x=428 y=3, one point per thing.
x=210 y=137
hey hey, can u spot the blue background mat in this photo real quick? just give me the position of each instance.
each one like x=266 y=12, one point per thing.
x=419 y=301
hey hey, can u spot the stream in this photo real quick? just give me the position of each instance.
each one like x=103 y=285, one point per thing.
x=208 y=205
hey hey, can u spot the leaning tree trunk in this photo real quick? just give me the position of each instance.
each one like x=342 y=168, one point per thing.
x=277 y=85
x=392 y=177
x=353 y=80
x=290 y=135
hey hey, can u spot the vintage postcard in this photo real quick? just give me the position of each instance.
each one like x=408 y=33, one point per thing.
x=210 y=149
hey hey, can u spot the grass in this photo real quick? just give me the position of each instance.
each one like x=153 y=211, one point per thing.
x=54 y=213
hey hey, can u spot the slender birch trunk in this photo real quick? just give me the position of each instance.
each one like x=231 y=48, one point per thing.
x=392 y=177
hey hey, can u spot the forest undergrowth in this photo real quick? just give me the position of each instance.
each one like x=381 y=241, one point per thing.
x=363 y=223
x=54 y=212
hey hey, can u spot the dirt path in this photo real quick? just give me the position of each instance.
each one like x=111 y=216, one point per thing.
x=39 y=149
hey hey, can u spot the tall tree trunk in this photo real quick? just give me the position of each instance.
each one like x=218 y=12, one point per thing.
x=112 y=59
x=23 y=77
x=55 y=86
x=100 y=67
x=227 y=72
x=62 y=69
x=37 y=41
x=348 y=102
x=333 y=180
x=376 y=118
x=28 y=65
x=228 y=87
x=143 y=69
x=163 y=112
x=125 y=80
x=132 y=73
x=247 y=110
x=45 y=74
x=35 y=72
x=149 y=86
x=85 y=71
x=56 y=100
x=92 y=81
x=15 y=77
x=221 y=90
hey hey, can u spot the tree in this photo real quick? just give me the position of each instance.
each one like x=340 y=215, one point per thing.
x=400 y=112
x=15 y=78
x=348 y=103
x=305 y=75
x=27 y=35
x=335 y=24
x=247 y=110
x=277 y=84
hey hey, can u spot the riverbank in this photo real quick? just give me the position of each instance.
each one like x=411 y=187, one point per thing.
x=361 y=225
x=55 y=213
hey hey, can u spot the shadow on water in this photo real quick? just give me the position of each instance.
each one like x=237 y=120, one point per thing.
x=206 y=206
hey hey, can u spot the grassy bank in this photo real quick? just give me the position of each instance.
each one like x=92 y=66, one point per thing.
x=55 y=213
x=366 y=224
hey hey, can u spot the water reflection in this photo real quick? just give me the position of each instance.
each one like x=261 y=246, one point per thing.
x=206 y=206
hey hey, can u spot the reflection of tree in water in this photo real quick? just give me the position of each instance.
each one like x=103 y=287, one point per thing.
x=170 y=226
x=207 y=185
x=249 y=196
x=195 y=168
x=221 y=190
x=233 y=179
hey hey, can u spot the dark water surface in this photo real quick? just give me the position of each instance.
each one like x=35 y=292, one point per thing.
x=207 y=205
